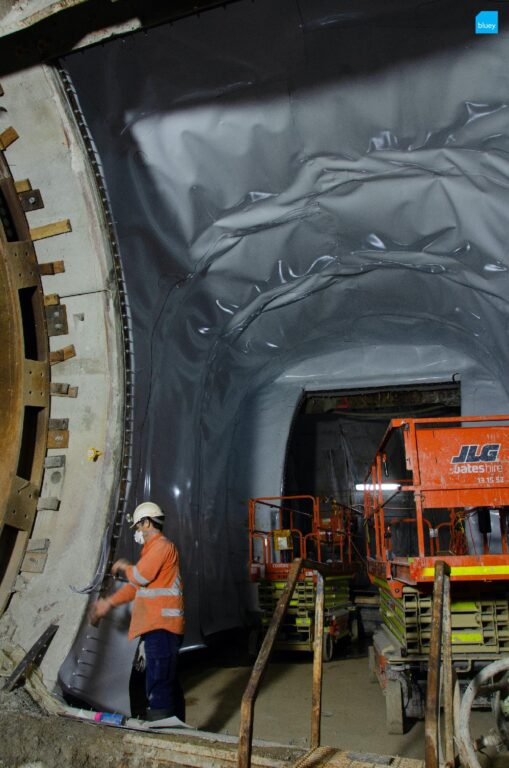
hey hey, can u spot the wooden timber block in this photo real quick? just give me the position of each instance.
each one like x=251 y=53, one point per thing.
x=59 y=389
x=7 y=137
x=50 y=502
x=23 y=185
x=56 y=320
x=63 y=390
x=38 y=545
x=58 y=433
x=58 y=438
x=50 y=230
x=34 y=562
x=54 y=462
x=51 y=300
x=51 y=268
x=58 y=424
x=36 y=556
x=60 y=355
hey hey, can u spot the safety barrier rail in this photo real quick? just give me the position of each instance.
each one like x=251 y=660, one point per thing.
x=332 y=532
x=260 y=666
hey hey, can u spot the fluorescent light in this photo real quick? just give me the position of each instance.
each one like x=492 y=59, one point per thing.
x=376 y=487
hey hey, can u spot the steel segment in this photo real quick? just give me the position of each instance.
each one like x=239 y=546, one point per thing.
x=24 y=382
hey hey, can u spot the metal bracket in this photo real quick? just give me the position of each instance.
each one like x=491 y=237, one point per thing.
x=35 y=651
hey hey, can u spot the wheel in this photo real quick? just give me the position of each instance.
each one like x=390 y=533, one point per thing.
x=372 y=676
x=394 y=707
x=328 y=646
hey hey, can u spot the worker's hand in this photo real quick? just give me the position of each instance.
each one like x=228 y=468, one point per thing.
x=119 y=565
x=98 y=611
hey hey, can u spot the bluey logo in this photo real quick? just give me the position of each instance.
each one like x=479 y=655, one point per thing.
x=471 y=454
x=486 y=23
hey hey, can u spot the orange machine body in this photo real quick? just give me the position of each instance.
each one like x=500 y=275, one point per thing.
x=273 y=547
x=459 y=464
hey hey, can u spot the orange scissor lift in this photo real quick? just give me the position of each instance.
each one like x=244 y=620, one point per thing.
x=455 y=472
x=282 y=528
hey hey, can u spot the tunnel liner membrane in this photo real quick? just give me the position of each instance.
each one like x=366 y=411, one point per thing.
x=306 y=196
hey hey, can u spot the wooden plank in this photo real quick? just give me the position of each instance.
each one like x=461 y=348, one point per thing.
x=23 y=185
x=51 y=300
x=7 y=137
x=51 y=268
x=50 y=230
x=60 y=355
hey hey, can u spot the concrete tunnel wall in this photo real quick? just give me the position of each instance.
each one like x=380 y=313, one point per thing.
x=269 y=253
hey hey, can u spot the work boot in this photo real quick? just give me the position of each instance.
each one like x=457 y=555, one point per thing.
x=158 y=714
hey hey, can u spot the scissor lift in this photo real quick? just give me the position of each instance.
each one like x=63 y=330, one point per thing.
x=450 y=480
x=282 y=528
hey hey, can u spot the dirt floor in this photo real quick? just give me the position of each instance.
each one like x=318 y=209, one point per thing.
x=214 y=679
x=353 y=709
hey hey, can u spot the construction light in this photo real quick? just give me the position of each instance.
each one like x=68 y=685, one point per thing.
x=376 y=487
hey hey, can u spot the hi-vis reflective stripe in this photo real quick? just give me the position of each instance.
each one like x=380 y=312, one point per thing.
x=139 y=578
x=474 y=570
x=171 y=612
x=159 y=592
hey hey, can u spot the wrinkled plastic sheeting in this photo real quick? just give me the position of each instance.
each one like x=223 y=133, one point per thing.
x=307 y=196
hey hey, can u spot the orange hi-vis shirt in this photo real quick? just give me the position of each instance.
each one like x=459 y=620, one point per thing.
x=155 y=585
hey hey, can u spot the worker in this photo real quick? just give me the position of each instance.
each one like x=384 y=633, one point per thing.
x=155 y=585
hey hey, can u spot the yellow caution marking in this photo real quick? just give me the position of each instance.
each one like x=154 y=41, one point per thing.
x=474 y=570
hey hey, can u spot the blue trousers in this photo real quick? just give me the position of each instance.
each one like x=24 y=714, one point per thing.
x=163 y=688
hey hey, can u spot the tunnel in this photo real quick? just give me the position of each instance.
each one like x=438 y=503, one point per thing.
x=267 y=229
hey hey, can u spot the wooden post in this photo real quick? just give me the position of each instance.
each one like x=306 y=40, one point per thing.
x=431 y=728
x=251 y=692
x=316 y=698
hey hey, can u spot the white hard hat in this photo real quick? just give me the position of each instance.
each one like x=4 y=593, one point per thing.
x=146 y=509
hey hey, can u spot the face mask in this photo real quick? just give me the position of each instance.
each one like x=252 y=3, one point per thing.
x=138 y=537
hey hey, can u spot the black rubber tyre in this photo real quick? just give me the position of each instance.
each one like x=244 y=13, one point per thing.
x=328 y=646
x=394 y=707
